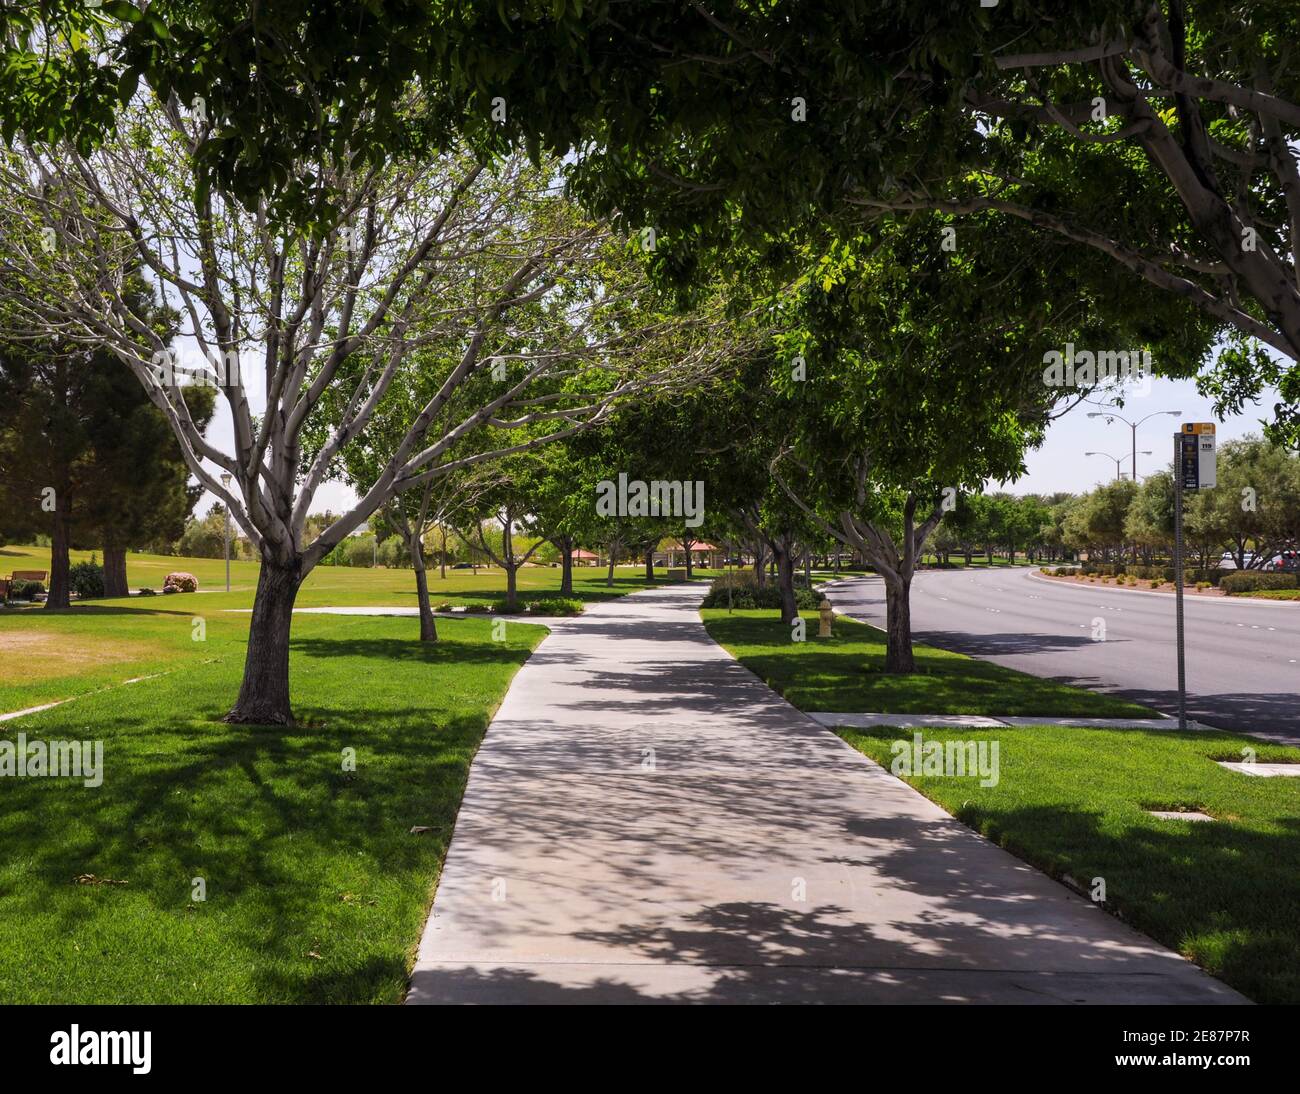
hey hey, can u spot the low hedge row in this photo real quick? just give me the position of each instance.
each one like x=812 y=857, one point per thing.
x=1253 y=581
x=1191 y=574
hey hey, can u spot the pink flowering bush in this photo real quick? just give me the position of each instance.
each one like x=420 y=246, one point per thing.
x=181 y=582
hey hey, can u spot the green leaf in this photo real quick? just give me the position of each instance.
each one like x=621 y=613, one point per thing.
x=119 y=9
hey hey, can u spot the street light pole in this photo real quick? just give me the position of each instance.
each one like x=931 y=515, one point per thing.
x=225 y=481
x=1133 y=428
x=1118 y=460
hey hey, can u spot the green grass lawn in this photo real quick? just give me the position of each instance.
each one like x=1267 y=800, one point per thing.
x=316 y=891
x=1072 y=802
x=845 y=673
x=101 y=643
x=958 y=561
x=348 y=586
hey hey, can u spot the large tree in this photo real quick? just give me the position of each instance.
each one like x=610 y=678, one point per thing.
x=85 y=458
x=330 y=316
x=142 y=490
x=915 y=382
x=1158 y=133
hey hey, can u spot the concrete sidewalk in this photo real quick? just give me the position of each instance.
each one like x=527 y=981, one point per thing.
x=647 y=822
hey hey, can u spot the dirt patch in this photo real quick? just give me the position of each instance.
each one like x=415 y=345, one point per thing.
x=39 y=655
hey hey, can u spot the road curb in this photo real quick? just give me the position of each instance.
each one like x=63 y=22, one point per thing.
x=1286 y=604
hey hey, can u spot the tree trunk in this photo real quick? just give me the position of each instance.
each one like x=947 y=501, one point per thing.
x=650 y=564
x=785 y=582
x=609 y=574
x=512 y=586
x=442 y=558
x=59 y=592
x=115 y=571
x=760 y=566
x=264 y=694
x=687 y=545
x=428 y=625
x=565 y=544
x=898 y=624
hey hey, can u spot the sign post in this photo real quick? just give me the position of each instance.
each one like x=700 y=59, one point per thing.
x=1194 y=468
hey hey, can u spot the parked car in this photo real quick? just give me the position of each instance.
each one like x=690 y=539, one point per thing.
x=1286 y=561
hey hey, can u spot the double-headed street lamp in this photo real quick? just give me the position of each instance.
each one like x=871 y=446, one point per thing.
x=1133 y=426
x=1119 y=460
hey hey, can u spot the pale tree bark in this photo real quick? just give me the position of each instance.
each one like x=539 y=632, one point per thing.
x=894 y=562
x=507 y=516
x=431 y=253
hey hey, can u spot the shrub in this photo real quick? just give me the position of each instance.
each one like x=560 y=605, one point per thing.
x=357 y=551
x=1204 y=585
x=737 y=579
x=181 y=582
x=765 y=596
x=1155 y=583
x=26 y=590
x=1249 y=581
x=147 y=592
x=1192 y=575
x=86 y=579
x=556 y=605
x=480 y=609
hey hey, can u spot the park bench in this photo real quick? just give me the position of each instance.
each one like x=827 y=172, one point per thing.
x=7 y=583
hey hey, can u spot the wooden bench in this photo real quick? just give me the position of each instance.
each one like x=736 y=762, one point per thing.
x=7 y=584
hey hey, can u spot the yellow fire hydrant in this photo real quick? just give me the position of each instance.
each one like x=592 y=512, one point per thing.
x=828 y=614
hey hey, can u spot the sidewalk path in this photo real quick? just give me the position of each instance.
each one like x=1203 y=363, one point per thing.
x=647 y=822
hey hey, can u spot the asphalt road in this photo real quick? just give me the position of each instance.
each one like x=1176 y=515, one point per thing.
x=1243 y=657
